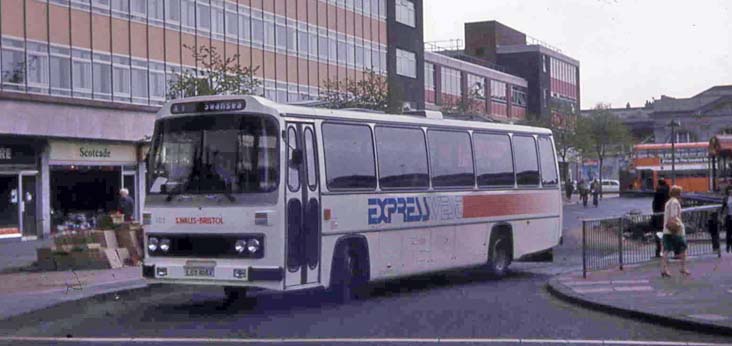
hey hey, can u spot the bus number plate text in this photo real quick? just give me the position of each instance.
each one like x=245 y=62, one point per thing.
x=199 y=271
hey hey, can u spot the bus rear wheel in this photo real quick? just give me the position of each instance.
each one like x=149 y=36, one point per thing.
x=499 y=255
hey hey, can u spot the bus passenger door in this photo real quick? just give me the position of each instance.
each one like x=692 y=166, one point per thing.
x=303 y=206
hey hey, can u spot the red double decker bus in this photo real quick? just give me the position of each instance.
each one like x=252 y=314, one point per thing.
x=651 y=162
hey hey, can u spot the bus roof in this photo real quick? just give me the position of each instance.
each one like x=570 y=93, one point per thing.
x=667 y=146
x=262 y=105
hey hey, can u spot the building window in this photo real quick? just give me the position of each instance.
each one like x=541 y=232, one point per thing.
x=81 y=4
x=498 y=91
x=332 y=47
x=188 y=15
x=257 y=27
x=406 y=63
x=292 y=38
x=303 y=40
x=203 y=16
x=100 y=6
x=172 y=11
x=81 y=71
x=232 y=22
x=102 y=74
x=450 y=83
x=217 y=19
x=269 y=31
x=476 y=86
x=323 y=45
x=157 y=82
x=349 y=157
x=60 y=71
x=280 y=34
x=518 y=96
x=245 y=29
x=313 y=42
x=405 y=12
x=37 y=61
x=139 y=81
x=342 y=50
x=121 y=78
x=138 y=10
x=155 y=10
x=13 y=64
x=350 y=52
x=121 y=8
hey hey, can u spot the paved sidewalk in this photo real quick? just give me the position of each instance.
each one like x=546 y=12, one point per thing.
x=25 y=292
x=701 y=301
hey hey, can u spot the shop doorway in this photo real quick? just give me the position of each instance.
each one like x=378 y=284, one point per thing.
x=80 y=194
x=18 y=204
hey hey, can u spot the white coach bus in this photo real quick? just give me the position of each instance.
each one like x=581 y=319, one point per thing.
x=247 y=193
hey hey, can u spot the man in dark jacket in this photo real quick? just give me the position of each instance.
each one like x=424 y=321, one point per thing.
x=126 y=204
x=660 y=197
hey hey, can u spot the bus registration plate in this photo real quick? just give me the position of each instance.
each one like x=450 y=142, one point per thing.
x=199 y=271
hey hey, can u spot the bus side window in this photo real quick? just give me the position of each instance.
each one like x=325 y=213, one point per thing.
x=527 y=165
x=548 y=164
x=493 y=159
x=293 y=171
x=310 y=157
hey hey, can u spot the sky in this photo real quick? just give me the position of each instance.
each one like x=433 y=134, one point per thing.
x=629 y=50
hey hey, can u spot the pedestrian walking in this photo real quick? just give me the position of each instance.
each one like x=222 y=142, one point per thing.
x=674 y=233
x=568 y=189
x=660 y=197
x=726 y=214
x=595 y=192
x=583 y=191
x=126 y=204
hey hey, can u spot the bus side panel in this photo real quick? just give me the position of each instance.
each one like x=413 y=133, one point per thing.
x=471 y=244
x=530 y=236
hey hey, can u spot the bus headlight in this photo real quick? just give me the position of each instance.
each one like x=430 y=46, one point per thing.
x=164 y=244
x=240 y=246
x=253 y=245
x=152 y=244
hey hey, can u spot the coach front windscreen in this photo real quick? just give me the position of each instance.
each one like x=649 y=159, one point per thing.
x=214 y=154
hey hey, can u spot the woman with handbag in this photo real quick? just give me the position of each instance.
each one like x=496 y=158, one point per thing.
x=674 y=234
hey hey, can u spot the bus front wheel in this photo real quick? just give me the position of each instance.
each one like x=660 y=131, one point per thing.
x=347 y=281
x=499 y=255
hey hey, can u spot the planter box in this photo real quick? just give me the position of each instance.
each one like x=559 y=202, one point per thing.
x=106 y=239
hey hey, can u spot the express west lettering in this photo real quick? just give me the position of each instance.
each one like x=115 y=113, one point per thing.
x=199 y=220
x=411 y=209
x=94 y=152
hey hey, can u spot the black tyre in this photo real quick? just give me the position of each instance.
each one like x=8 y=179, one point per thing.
x=236 y=295
x=499 y=255
x=348 y=281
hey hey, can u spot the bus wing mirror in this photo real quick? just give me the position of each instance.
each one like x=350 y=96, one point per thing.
x=296 y=157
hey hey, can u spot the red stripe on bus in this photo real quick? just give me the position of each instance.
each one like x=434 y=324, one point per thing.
x=502 y=205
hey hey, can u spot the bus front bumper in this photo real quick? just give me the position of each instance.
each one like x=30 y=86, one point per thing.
x=213 y=275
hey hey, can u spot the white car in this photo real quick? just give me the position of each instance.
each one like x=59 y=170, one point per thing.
x=610 y=185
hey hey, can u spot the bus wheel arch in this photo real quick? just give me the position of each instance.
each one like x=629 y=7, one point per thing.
x=350 y=267
x=500 y=249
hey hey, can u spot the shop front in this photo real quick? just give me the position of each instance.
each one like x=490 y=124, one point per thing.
x=85 y=180
x=18 y=187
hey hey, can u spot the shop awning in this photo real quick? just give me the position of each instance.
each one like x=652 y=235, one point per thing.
x=720 y=145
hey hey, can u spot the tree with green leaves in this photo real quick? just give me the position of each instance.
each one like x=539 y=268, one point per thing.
x=467 y=104
x=601 y=133
x=564 y=131
x=371 y=92
x=217 y=75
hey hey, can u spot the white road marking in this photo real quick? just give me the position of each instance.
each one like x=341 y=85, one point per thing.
x=633 y=288
x=350 y=340
x=593 y=290
x=630 y=281
x=709 y=317
x=587 y=283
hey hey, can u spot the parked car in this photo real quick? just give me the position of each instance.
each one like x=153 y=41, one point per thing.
x=610 y=185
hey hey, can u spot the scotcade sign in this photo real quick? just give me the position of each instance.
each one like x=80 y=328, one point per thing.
x=92 y=151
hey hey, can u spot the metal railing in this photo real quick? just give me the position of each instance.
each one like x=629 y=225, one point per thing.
x=631 y=238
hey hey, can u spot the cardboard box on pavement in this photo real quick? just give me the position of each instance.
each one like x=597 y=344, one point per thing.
x=106 y=238
x=124 y=255
x=130 y=241
x=113 y=258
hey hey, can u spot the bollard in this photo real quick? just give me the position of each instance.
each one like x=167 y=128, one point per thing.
x=584 y=249
x=620 y=242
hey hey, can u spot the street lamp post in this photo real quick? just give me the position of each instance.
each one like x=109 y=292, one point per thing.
x=673 y=124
